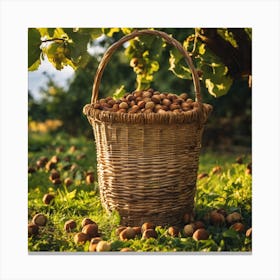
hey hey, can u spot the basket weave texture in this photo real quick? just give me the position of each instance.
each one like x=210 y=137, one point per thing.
x=147 y=163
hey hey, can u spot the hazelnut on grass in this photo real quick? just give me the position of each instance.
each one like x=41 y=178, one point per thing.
x=91 y=230
x=173 y=231
x=68 y=181
x=149 y=233
x=93 y=244
x=81 y=238
x=48 y=198
x=216 y=169
x=70 y=225
x=137 y=230
x=202 y=175
x=198 y=224
x=89 y=179
x=126 y=249
x=128 y=233
x=147 y=225
x=216 y=218
x=56 y=181
x=39 y=219
x=120 y=229
x=200 y=234
x=54 y=175
x=103 y=246
x=31 y=170
x=248 y=232
x=238 y=227
x=188 y=230
x=87 y=221
x=233 y=218
x=32 y=229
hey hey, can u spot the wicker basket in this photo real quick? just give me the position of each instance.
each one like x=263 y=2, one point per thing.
x=147 y=163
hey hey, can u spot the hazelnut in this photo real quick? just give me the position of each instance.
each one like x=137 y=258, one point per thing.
x=47 y=198
x=249 y=232
x=91 y=230
x=188 y=230
x=115 y=107
x=137 y=230
x=89 y=179
x=50 y=165
x=87 y=221
x=173 y=231
x=141 y=104
x=233 y=218
x=202 y=175
x=238 y=227
x=32 y=229
x=200 y=234
x=189 y=100
x=31 y=169
x=39 y=219
x=123 y=105
x=127 y=234
x=126 y=249
x=216 y=218
x=156 y=99
x=70 y=225
x=54 y=175
x=120 y=229
x=54 y=159
x=134 y=109
x=147 y=94
x=149 y=233
x=68 y=181
x=216 y=169
x=166 y=102
x=183 y=96
x=197 y=225
x=147 y=225
x=56 y=181
x=150 y=105
x=93 y=244
x=81 y=238
x=103 y=246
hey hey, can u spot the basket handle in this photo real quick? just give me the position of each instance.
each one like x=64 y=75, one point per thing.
x=107 y=55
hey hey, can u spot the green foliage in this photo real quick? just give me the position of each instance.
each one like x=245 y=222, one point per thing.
x=69 y=47
x=229 y=189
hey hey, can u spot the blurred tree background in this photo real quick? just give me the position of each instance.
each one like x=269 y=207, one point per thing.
x=222 y=56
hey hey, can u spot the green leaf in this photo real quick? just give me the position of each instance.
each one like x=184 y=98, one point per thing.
x=230 y=234
x=216 y=79
x=35 y=65
x=110 y=31
x=119 y=92
x=178 y=65
x=34 y=51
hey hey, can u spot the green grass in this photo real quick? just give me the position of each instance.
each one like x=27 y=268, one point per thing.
x=229 y=189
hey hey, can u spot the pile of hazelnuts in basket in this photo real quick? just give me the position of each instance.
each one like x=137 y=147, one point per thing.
x=147 y=101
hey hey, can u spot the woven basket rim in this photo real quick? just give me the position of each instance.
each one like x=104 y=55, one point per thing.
x=197 y=114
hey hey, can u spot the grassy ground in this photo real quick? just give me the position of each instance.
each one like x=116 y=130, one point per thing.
x=226 y=187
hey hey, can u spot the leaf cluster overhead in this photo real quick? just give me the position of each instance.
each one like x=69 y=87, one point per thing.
x=220 y=55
